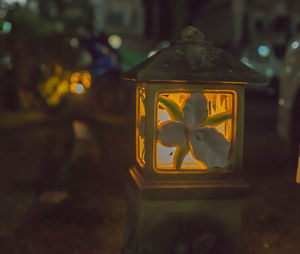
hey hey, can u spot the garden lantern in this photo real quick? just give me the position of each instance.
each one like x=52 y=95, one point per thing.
x=189 y=135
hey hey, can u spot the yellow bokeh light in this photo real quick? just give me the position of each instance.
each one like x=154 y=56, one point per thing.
x=63 y=87
x=83 y=77
x=75 y=77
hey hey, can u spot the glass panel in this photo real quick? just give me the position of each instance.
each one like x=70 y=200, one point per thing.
x=194 y=130
x=140 y=126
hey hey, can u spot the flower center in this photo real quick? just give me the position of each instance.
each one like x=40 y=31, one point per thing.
x=199 y=135
x=194 y=132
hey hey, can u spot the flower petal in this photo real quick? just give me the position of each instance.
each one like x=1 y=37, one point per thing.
x=179 y=155
x=171 y=133
x=195 y=110
x=210 y=146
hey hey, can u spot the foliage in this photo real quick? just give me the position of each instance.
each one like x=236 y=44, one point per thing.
x=38 y=41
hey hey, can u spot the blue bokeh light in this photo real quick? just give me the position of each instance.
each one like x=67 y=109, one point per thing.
x=263 y=51
x=6 y=27
x=79 y=88
x=295 y=44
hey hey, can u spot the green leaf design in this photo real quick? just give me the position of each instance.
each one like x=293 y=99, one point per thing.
x=179 y=155
x=172 y=108
x=217 y=119
x=143 y=154
x=142 y=98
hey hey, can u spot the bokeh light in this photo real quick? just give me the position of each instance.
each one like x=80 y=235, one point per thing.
x=79 y=89
x=6 y=27
x=152 y=53
x=21 y=2
x=269 y=72
x=295 y=44
x=263 y=51
x=288 y=69
x=74 y=43
x=115 y=41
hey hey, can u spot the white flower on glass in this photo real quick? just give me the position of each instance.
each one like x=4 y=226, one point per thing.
x=190 y=130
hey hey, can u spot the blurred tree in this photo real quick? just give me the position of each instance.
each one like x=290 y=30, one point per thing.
x=38 y=40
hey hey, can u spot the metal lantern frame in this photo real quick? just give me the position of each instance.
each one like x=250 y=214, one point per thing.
x=191 y=65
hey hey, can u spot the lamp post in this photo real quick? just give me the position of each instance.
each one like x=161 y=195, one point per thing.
x=185 y=189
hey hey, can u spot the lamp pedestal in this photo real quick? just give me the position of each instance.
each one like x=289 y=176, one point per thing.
x=181 y=217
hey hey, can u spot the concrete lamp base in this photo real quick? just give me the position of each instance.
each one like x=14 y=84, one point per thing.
x=178 y=221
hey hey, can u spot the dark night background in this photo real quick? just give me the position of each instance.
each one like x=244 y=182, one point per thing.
x=64 y=156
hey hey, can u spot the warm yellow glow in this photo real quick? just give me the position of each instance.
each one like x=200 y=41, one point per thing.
x=86 y=79
x=63 y=87
x=79 y=82
x=163 y=116
x=190 y=162
x=77 y=88
x=56 y=86
x=298 y=168
x=83 y=78
x=218 y=103
x=140 y=126
x=63 y=82
x=75 y=77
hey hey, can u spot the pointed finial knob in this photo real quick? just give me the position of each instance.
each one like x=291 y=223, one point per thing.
x=191 y=34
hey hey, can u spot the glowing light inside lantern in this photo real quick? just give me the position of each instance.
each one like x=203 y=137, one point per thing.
x=218 y=102
x=140 y=126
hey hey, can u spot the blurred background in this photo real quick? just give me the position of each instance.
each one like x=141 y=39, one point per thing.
x=67 y=117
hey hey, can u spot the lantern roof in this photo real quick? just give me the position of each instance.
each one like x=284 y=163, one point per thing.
x=192 y=59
